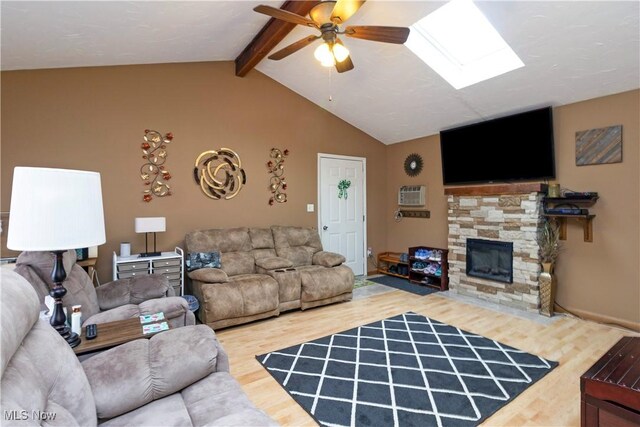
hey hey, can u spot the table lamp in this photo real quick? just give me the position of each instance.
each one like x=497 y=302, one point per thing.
x=56 y=210
x=150 y=225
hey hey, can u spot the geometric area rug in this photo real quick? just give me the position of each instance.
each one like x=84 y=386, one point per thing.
x=407 y=370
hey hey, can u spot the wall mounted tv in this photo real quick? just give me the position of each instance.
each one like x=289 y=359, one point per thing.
x=512 y=148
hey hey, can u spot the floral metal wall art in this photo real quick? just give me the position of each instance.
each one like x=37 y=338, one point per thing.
x=277 y=183
x=153 y=172
x=219 y=173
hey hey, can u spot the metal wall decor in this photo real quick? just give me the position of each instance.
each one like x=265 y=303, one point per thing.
x=219 y=173
x=413 y=164
x=599 y=146
x=277 y=183
x=153 y=172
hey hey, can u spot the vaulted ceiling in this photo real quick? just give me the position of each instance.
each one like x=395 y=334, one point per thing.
x=572 y=50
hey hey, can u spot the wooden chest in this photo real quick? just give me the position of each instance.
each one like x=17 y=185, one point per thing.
x=610 y=389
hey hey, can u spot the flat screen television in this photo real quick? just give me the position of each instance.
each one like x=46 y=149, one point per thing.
x=512 y=148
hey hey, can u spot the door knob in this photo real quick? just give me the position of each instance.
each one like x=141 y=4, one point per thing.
x=325 y=228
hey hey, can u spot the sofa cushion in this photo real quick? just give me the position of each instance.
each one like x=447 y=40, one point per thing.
x=138 y=372
x=223 y=240
x=262 y=243
x=322 y=283
x=273 y=263
x=328 y=259
x=234 y=263
x=209 y=275
x=244 y=295
x=297 y=244
x=216 y=400
x=36 y=267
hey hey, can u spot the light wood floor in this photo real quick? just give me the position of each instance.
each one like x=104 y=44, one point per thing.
x=553 y=401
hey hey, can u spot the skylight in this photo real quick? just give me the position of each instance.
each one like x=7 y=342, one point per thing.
x=461 y=45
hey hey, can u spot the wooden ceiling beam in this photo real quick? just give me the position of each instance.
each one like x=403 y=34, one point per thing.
x=269 y=36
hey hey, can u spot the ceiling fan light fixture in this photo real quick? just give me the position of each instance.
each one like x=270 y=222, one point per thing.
x=340 y=52
x=324 y=55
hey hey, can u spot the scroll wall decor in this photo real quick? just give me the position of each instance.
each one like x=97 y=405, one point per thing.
x=219 y=173
x=277 y=183
x=153 y=172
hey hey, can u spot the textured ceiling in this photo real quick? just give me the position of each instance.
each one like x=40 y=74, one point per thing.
x=572 y=51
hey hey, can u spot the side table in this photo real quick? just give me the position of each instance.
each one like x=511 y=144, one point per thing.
x=112 y=334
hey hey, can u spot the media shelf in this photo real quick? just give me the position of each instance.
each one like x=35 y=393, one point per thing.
x=585 y=218
x=390 y=263
x=430 y=270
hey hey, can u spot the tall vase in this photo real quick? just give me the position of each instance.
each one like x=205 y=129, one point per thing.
x=547 y=283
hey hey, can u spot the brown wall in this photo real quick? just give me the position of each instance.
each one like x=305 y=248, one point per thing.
x=416 y=231
x=94 y=119
x=599 y=279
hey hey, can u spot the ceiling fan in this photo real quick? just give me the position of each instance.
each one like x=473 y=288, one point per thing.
x=327 y=16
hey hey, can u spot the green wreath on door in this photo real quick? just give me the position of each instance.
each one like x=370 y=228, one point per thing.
x=343 y=186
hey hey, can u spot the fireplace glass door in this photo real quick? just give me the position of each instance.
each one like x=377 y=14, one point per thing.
x=490 y=259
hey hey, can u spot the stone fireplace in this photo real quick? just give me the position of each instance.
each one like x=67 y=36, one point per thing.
x=507 y=216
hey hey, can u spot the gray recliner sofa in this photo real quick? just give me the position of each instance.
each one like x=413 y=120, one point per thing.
x=117 y=300
x=176 y=378
x=264 y=272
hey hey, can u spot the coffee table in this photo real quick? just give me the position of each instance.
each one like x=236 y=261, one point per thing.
x=112 y=334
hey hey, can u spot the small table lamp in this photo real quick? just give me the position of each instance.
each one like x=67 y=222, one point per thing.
x=150 y=225
x=56 y=210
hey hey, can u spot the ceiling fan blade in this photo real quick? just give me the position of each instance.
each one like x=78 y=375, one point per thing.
x=294 y=47
x=285 y=15
x=345 y=65
x=344 y=9
x=397 y=35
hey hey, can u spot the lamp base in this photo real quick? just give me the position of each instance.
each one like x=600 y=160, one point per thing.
x=58 y=318
x=148 y=254
x=71 y=338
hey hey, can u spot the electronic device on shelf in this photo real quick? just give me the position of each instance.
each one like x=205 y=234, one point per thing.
x=580 y=195
x=567 y=211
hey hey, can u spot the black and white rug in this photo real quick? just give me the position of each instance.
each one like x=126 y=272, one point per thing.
x=406 y=370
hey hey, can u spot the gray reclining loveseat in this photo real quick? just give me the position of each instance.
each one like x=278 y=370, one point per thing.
x=263 y=272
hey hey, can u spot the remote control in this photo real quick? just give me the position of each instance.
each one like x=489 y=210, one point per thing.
x=92 y=331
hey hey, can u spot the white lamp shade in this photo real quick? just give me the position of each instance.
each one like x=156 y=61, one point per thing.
x=55 y=209
x=151 y=224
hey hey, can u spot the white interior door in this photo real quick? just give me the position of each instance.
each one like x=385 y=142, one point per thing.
x=341 y=218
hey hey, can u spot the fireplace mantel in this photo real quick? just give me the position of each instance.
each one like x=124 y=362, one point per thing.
x=496 y=190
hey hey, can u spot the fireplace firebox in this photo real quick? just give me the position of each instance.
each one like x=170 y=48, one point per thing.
x=490 y=259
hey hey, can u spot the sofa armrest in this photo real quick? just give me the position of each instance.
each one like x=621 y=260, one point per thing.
x=273 y=263
x=132 y=291
x=209 y=275
x=132 y=375
x=175 y=309
x=327 y=259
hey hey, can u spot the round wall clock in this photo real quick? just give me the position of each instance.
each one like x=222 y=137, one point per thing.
x=413 y=164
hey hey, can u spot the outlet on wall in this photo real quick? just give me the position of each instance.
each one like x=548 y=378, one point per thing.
x=369 y=253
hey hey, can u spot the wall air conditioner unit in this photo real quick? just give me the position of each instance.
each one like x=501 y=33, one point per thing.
x=412 y=195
